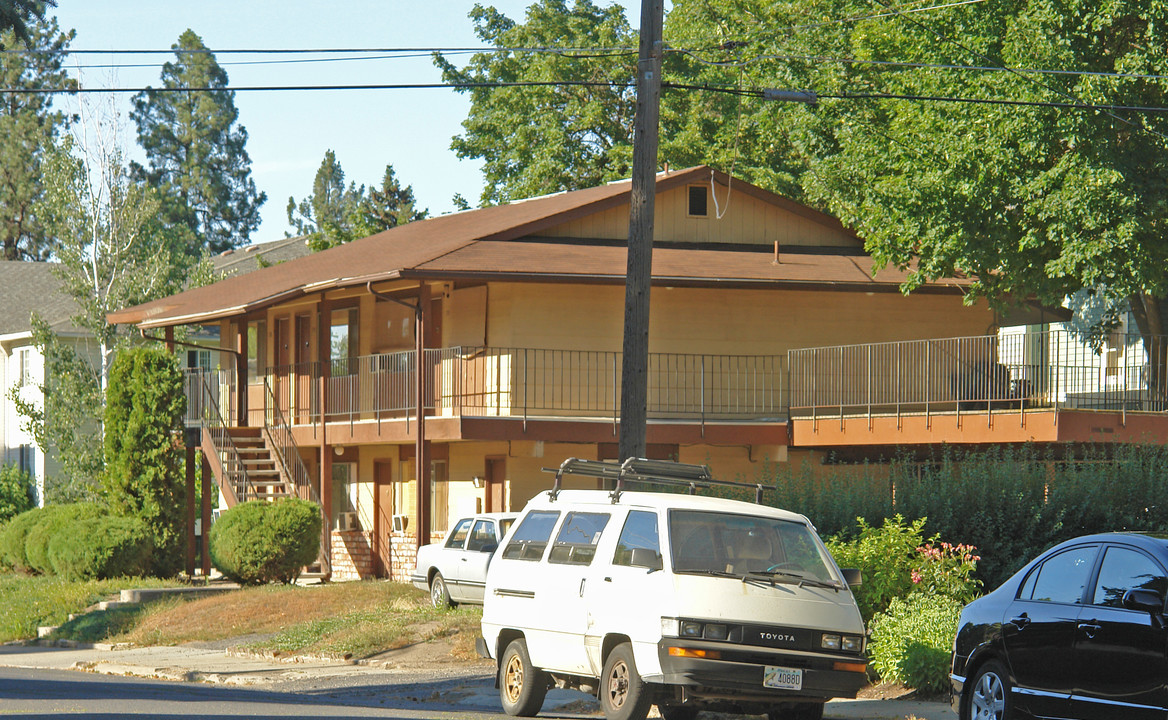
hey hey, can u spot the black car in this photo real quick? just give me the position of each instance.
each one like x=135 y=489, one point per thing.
x=1077 y=633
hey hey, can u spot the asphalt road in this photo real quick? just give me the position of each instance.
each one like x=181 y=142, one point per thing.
x=39 y=693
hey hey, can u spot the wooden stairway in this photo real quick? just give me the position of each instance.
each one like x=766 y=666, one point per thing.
x=263 y=479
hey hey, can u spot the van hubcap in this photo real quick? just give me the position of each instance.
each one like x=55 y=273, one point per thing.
x=513 y=679
x=618 y=685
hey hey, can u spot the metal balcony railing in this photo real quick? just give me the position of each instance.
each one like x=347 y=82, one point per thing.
x=528 y=382
x=1007 y=371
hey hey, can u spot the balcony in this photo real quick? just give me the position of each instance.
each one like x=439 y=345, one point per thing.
x=528 y=383
x=1007 y=376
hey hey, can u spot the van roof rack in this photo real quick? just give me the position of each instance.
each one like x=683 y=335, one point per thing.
x=653 y=472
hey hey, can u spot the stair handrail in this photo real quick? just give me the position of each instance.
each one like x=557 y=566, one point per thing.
x=230 y=460
x=287 y=457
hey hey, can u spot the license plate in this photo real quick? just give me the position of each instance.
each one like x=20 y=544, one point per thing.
x=782 y=678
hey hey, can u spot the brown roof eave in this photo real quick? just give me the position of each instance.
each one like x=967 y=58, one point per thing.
x=673 y=281
x=235 y=311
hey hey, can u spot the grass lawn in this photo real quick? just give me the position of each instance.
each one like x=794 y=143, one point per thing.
x=28 y=601
x=356 y=619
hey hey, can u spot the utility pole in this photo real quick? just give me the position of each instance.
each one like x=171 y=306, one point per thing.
x=638 y=277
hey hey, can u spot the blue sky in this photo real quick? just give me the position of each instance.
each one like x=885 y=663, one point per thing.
x=290 y=131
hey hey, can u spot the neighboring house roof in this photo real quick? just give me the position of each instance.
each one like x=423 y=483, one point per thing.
x=249 y=258
x=31 y=286
x=480 y=243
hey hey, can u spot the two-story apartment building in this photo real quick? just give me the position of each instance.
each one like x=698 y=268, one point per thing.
x=436 y=368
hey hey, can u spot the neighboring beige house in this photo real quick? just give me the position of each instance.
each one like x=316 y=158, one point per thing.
x=771 y=340
x=27 y=287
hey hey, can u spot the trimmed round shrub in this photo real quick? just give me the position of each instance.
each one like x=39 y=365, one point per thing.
x=54 y=519
x=260 y=542
x=13 y=536
x=912 y=641
x=103 y=547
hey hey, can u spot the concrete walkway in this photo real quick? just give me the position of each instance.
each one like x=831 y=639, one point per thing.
x=194 y=664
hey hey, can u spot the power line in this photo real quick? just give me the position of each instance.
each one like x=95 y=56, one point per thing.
x=331 y=51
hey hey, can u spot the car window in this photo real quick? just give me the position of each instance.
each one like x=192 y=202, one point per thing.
x=505 y=525
x=705 y=542
x=457 y=537
x=576 y=542
x=1125 y=569
x=639 y=532
x=1061 y=578
x=482 y=537
x=531 y=537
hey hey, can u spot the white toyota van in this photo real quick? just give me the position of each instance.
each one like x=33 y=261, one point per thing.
x=690 y=603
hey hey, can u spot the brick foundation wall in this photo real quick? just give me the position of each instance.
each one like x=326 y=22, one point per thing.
x=352 y=555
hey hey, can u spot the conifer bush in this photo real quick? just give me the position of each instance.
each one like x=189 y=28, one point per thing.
x=12 y=538
x=102 y=547
x=259 y=542
x=52 y=520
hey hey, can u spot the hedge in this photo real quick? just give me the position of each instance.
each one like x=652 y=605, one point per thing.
x=103 y=547
x=912 y=641
x=51 y=520
x=13 y=536
x=259 y=542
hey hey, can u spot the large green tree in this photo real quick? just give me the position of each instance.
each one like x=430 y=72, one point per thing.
x=335 y=214
x=196 y=150
x=29 y=126
x=143 y=448
x=113 y=252
x=535 y=140
x=17 y=15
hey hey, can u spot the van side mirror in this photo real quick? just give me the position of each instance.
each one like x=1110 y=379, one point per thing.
x=852 y=576
x=646 y=558
x=1144 y=600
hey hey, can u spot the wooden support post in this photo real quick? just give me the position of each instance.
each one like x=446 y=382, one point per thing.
x=324 y=357
x=421 y=445
x=190 y=514
x=241 y=379
x=205 y=488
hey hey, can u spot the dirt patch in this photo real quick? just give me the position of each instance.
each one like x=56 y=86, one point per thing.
x=428 y=654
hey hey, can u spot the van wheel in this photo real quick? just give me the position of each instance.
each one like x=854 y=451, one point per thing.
x=522 y=687
x=439 y=595
x=623 y=695
x=805 y=711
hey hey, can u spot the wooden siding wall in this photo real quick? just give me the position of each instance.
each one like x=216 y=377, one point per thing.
x=746 y=221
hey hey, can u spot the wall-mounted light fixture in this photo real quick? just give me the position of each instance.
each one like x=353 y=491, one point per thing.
x=476 y=481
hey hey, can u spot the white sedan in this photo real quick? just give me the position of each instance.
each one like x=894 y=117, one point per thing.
x=455 y=570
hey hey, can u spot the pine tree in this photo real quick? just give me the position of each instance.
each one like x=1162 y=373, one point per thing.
x=336 y=214
x=28 y=126
x=196 y=149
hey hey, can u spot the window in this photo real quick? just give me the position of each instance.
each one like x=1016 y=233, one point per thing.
x=25 y=459
x=1124 y=570
x=24 y=367
x=343 y=340
x=482 y=537
x=704 y=542
x=457 y=537
x=697 y=201
x=531 y=537
x=257 y=349
x=576 y=543
x=1061 y=578
x=345 y=497
x=639 y=533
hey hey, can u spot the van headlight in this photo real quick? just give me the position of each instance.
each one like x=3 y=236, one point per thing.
x=837 y=642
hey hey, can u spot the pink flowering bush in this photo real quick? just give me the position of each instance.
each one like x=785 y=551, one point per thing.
x=912 y=593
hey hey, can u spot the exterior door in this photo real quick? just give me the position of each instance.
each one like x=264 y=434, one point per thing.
x=1121 y=668
x=303 y=370
x=383 y=511
x=496 y=485
x=565 y=581
x=1039 y=630
x=281 y=381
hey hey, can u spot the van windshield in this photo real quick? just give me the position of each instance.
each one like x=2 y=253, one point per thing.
x=712 y=543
